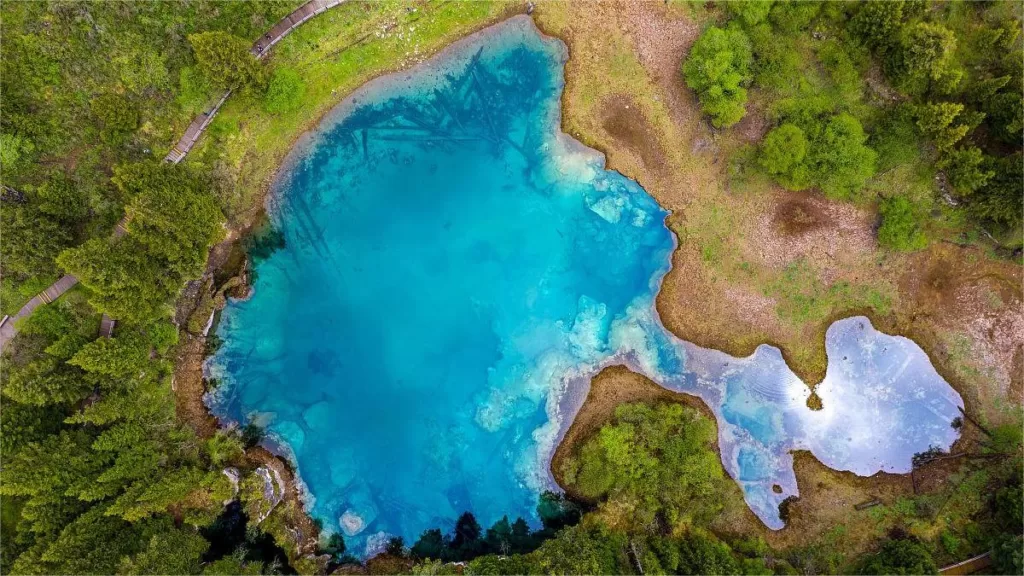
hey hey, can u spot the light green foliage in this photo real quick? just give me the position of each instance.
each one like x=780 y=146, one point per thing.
x=224 y=448
x=877 y=24
x=900 y=229
x=116 y=115
x=896 y=138
x=119 y=357
x=225 y=60
x=830 y=149
x=194 y=90
x=285 y=92
x=233 y=565
x=145 y=499
x=696 y=553
x=92 y=543
x=174 y=551
x=750 y=12
x=659 y=459
x=783 y=156
x=926 y=51
x=776 y=62
x=841 y=161
x=60 y=198
x=841 y=69
x=142 y=70
x=581 y=550
x=792 y=16
x=125 y=282
x=964 y=167
x=15 y=151
x=717 y=69
x=32 y=240
x=439 y=568
x=46 y=381
x=944 y=123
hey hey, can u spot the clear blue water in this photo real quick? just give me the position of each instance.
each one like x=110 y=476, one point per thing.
x=454 y=271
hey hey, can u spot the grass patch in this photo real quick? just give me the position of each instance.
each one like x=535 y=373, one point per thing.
x=804 y=298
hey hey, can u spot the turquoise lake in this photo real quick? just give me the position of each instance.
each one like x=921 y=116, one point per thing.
x=453 y=272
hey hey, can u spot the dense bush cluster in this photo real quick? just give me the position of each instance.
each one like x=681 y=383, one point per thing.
x=949 y=98
x=717 y=69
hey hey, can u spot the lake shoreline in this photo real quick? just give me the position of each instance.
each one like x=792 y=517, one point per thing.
x=885 y=323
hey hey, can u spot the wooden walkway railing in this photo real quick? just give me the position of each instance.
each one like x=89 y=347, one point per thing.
x=10 y=326
x=54 y=291
x=969 y=566
x=259 y=49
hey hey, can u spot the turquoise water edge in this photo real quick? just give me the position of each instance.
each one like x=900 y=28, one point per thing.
x=454 y=270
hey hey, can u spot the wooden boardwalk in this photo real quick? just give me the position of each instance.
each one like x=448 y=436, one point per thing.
x=260 y=49
x=969 y=566
x=107 y=326
x=52 y=292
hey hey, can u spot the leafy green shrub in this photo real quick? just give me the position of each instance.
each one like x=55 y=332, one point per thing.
x=899 y=556
x=659 y=457
x=62 y=199
x=900 y=229
x=782 y=157
x=776 y=62
x=194 y=90
x=792 y=16
x=895 y=138
x=925 y=53
x=814 y=147
x=285 y=92
x=877 y=24
x=225 y=60
x=224 y=448
x=32 y=239
x=965 y=169
x=750 y=12
x=116 y=115
x=841 y=69
x=717 y=68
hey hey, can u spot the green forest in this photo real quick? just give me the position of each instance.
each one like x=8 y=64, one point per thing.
x=98 y=474
x=926 y=90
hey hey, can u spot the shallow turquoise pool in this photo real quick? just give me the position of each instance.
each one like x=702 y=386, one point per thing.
x=453 y=272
